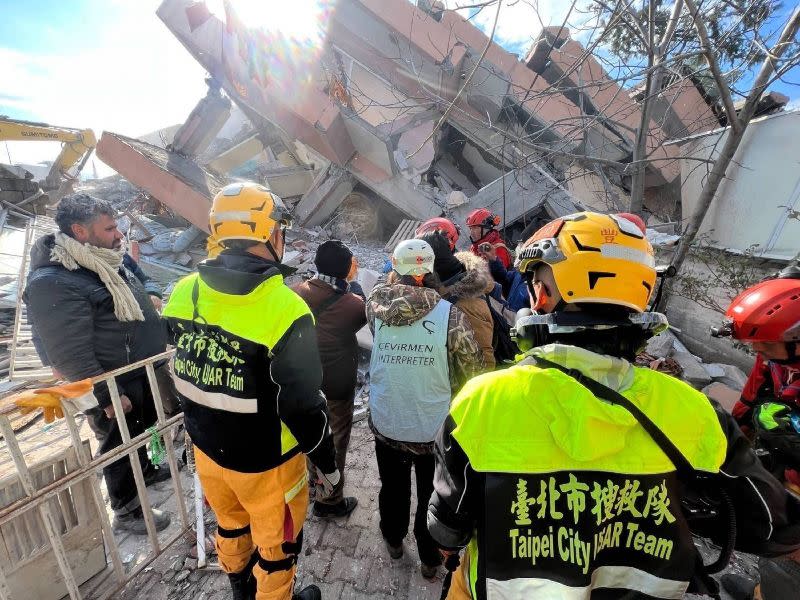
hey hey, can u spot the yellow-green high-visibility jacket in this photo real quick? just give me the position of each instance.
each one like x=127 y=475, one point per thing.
x=559 y=494
x=247 y=366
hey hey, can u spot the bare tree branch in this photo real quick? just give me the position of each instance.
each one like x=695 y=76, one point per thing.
x=734 y=138
x=653 y=85
x=713 y=64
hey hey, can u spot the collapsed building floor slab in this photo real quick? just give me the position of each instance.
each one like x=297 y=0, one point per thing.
x=176 y=181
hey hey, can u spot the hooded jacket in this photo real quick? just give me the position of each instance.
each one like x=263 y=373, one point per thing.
x=398 y=304
x=552 y=487
x=768 y=381
x=494 y=238
x=247 y=366
x=468 y=291
x=73 y=314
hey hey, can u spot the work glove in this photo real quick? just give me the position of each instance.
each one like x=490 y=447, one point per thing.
x=326 y=483
x=49 y=399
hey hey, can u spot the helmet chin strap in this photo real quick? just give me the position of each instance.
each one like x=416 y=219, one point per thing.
x=272 y=251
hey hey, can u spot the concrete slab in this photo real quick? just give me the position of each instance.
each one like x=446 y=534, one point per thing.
x=325 y=195
x=725 y=395
x=176 y=181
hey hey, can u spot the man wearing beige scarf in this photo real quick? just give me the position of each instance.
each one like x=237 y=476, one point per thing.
x=92 y=316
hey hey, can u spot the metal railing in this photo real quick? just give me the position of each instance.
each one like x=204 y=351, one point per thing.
x=39 y=498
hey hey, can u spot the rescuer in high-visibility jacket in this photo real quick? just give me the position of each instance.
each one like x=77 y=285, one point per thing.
x=248 y=372
x=561 y=492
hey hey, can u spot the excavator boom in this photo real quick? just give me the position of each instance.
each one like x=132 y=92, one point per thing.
x=77 y=146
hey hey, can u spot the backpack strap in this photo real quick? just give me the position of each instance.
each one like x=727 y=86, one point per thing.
x=682 y=466
x=326 y=304
x=702 y=582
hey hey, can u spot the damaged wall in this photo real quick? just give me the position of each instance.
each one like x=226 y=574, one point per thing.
x=360 y=103
x=757 y=202
x=713 y=277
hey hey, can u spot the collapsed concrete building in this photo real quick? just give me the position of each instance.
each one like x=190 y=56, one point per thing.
x=411 y=112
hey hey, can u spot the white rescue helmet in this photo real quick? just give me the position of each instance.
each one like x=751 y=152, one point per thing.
x=413 y=257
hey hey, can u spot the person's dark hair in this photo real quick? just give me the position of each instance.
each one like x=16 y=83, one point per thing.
x=238 y=244
x=445 y=264
x=81 y=209
x=623 y=342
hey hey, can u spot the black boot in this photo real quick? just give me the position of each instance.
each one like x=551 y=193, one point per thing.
x=243 y=585
x=739 y=587
x=780 y=578
x=311 y=592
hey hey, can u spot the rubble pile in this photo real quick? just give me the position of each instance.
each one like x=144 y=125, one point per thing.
x=18 y=190
x=115 y=189
x=169 y=246
x=720 y=382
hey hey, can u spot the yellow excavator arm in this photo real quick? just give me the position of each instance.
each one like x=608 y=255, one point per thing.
x=77 y=146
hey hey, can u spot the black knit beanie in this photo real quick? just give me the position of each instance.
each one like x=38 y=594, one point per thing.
x=333 y=258
x=445 y=263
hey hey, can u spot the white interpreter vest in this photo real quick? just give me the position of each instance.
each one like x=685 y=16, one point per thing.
x=409 y=390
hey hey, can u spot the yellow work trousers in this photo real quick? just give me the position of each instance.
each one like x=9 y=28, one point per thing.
x=263 y=511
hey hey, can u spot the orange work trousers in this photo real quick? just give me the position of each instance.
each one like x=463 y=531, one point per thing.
x=459 y=588
x=258 y=511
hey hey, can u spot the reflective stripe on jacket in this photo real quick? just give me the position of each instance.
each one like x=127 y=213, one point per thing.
x=558 y=493
x=242 y=407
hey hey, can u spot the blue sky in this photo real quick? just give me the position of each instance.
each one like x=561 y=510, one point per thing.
x=112 y=64
x=103 y=64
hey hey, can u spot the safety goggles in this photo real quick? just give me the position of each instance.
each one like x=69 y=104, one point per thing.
x=565 y=322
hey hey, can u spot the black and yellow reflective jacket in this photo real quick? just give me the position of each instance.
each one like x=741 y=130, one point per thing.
x=246 y=365
x=557 y=493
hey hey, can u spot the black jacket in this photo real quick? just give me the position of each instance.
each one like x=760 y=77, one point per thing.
x=285 y=378
x=73 y=313
x=466 y=500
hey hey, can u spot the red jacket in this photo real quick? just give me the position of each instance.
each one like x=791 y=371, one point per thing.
x=768 y=381
x=496 y=240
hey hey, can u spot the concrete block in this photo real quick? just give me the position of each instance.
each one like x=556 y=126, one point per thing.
x=11 y=197
x=18 y=185
x=725 y=395
x=325 y=196
x=14 y=172
x=661 y=345
x=174 y=180
x=714 y=370
x=693 y=371
x=732 y=376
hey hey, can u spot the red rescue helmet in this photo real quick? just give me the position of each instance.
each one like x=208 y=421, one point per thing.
x=440 y=225
x=482 y=217
x=767 y=312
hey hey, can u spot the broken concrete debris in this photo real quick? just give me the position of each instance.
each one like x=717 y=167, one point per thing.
x=724 y=394
x=732 y=376
x=369 y=133
x=720 y=382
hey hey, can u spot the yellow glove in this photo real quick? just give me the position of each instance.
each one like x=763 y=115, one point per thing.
x=49 y=399
x=49 y=403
